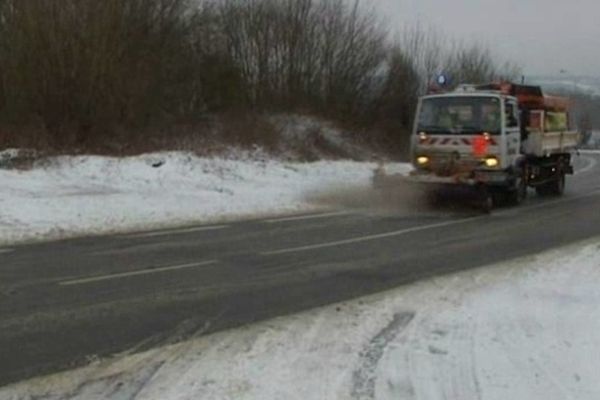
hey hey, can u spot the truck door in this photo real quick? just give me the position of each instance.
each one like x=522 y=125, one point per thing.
x=513 y=131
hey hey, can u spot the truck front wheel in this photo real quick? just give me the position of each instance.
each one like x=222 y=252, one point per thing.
x=486 y=199
x=518 y=193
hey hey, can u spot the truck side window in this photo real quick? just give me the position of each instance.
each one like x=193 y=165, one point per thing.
x=512 y=120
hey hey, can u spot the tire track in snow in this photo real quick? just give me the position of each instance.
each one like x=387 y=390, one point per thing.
x=363 y=379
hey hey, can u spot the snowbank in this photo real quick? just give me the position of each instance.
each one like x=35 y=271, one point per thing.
x=72 y=196
x=526 y=329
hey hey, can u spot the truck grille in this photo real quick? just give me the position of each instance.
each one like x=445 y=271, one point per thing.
x=450 y=164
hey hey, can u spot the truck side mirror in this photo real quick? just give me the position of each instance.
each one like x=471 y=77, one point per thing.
x=524 y=115
x=511 y=119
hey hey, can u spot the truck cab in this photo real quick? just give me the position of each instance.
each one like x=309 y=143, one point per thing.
x=466 y=137
x=500 y=138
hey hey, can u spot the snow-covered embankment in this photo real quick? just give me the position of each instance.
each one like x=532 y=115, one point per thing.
x=72 y=196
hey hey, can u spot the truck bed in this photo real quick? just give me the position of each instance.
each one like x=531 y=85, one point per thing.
x=542 y=144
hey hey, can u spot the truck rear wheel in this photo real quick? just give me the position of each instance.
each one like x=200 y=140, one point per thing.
x=555 y=187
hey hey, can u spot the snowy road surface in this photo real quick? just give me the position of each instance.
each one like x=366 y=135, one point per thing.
x=525 y=329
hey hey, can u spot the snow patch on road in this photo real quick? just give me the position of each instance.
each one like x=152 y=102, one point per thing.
x=70 y=196
x=525 y=329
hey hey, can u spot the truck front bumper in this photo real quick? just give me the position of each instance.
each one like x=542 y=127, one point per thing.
x=492 y=178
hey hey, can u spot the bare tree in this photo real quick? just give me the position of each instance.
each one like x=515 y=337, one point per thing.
x=464 y=62
x=85 y=70
x=303 y=52
x=426 y=49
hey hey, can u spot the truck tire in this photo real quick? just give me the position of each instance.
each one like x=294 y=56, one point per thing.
x=486 y=201
x=517 y=194
x=558 y=188
x=555 y=187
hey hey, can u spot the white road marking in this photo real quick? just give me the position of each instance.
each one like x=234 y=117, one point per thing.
x=305 y=217
x=370 y=237
x=4 y=251
x=83 y=281
x=546 y=204
x=422 y=227
x=173 y=232
x=591 y=165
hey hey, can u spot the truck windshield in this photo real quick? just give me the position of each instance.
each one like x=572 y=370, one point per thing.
x=460 y=115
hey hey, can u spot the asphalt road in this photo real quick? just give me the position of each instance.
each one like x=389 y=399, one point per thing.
x=65 y=303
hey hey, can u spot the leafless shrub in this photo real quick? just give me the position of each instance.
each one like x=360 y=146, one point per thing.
x=83 y=66
x=475 y=63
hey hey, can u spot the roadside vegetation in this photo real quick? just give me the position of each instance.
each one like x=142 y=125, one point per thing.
x=124 y=77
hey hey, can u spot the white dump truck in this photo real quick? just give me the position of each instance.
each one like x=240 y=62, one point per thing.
x=498 y=138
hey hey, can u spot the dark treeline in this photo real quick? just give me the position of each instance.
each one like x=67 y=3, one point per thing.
x=78 y=74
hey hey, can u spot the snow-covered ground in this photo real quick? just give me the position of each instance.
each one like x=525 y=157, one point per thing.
x=525 y=329
x=72 y=196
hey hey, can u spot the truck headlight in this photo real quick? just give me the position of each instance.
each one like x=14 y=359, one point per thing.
x=491 y=162
x=422 y=160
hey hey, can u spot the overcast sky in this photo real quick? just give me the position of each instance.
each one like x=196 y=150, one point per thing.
x=542 y=36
